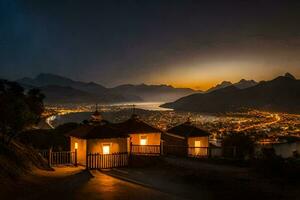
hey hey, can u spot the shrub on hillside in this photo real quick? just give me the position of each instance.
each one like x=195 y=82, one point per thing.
x=241 y=144
x=51 y=138
x=17 y=159
x=18 y=109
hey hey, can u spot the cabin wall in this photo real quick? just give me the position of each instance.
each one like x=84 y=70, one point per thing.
x=152 y=138
x=81 y=150
x=198 y=151
x=172 y=139
x=285 y=150
x=203 y=141
x=116 y=145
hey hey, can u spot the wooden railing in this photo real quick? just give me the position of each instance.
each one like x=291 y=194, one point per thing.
x=44 y=153
x=198 y=151
x=180 y=150
x=60 y=157
x=104 y=161
x=145 y=150
x=63 y=158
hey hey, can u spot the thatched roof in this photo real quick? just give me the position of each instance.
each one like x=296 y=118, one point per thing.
x=187 y=129
x=101 y=131
x=135 y=125
x=106 y=129
x=81 y=131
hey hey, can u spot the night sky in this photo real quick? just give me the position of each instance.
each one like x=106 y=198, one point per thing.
x=183 y=43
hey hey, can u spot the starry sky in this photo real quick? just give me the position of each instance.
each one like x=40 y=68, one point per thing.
x=183 y=43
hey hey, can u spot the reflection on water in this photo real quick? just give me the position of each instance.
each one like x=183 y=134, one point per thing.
x=140 y=105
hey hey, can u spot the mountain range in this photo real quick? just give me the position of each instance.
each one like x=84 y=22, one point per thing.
x=242 y=84
x=59 y=89
x=161 y=93
x=281 y=94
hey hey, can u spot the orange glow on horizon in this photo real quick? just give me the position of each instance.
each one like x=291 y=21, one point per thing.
x=206 y=75
x=196 y=86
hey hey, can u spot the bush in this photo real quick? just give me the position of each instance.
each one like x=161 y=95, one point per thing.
x=48 y=138
x=17 y=159
x=240 y=143
x=18 y=110
x=272 y=166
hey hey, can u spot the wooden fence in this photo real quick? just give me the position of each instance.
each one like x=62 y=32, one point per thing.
x=201 y=152
x=60 y=158
x=198 y=152
x=105 y=161
x=151 y=150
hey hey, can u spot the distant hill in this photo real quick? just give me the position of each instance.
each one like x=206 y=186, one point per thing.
x=281 y=94
x=163 y=93
x=62 y=94
x=242 y=84
x=59 y=89
x=52 y=79
x=222 y=85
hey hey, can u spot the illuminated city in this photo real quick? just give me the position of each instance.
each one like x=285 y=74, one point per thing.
x=260 y=125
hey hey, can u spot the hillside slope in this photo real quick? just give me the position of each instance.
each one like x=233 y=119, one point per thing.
x=16 y=160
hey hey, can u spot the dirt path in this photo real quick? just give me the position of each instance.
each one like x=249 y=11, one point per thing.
x=186 y=180
x=199 y=180
x=76 y=183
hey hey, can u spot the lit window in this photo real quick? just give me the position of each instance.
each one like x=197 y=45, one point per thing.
x=76 y=145
x=197 y=143
x=106 y=148
x=143 y=140
x=197 y=147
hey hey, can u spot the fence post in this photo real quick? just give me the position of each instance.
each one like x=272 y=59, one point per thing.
x=234 y=152
x=75 y=158
x=130 y=149
x=86 y=161
x=50 y=157
x=209 y=152
x=130 y=154
x=162 y=147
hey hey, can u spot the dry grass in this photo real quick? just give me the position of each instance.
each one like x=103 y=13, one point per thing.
x=17 y=159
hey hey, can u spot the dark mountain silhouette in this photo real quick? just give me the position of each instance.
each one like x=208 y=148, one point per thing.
x=55 y=87
x=154 y=92
x=242 y=84
x=59 y=89
x=52 y=79
x=281 y=94
x=64 y=94
x=220 y=86
x=289 y=76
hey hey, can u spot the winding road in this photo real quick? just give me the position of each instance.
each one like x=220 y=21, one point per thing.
x=276 y=117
